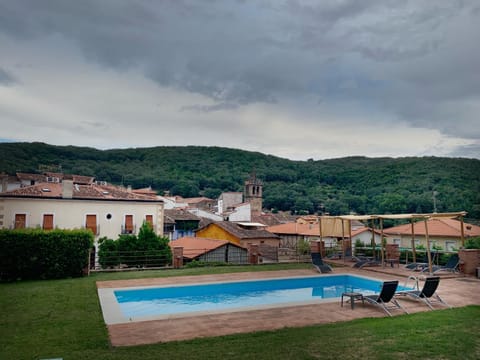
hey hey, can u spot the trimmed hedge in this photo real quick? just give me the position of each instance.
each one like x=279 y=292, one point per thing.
x=39 y=254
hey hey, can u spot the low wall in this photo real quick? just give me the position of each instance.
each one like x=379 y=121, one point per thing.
x=470 y=260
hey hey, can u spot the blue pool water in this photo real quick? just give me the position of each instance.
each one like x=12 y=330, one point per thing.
x=222 y=296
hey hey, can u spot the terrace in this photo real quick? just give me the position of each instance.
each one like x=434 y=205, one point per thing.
x=456 y=290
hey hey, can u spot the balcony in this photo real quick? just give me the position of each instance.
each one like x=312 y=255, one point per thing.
x=128 y=229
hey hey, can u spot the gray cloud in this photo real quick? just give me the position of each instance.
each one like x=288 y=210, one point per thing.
x=6 y=78
x=469 y=151
x=416 y=62
x=209 y=108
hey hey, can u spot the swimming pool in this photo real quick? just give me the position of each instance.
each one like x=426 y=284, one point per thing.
x=138 y=304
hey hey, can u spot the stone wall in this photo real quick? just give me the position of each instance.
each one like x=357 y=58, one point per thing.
x=469 y=260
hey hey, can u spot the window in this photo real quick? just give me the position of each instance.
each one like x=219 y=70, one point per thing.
x=47 y=222
x=128 y=224
x=149 y=220
x=20 y=221
x=396 y=241
x=450 y=245
x=91 y=223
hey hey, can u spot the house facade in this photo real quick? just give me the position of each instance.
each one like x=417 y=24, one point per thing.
x=364 y=235
x=179 y=223
x=245 y=235
x=202 y=203
x=442 y=232
x=228 y=200
x=107 y=211
x=210 y=250
x=292 y=234
x=239 y=213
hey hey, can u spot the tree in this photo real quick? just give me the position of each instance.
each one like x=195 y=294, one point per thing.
x=146 y=250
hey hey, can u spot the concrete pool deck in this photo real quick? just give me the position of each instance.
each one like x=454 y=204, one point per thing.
x=456 y=290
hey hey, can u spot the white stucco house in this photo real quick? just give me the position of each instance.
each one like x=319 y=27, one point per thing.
x=364 y=235
x=104 y=209
x=239 y=212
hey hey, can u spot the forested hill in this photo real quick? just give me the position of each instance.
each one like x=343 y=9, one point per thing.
x=338 y=186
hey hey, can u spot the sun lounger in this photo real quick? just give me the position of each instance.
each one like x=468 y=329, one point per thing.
x=385 y=298
x=428 y=293
x=451 y=265
x=319 y=265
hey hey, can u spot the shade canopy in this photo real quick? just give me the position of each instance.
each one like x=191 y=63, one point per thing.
x=401 y=216
x=423 y=217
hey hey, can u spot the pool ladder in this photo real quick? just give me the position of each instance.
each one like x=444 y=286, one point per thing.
x=415 y=281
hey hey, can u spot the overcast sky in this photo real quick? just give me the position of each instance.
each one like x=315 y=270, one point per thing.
x=296 y=79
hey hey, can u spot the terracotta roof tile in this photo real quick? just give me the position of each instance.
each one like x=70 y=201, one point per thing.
x=54 y=190
x=436 y=227
x=196 y=246
x=295 y=228
x=245 y=233
x=27 y=177
x=180 y=214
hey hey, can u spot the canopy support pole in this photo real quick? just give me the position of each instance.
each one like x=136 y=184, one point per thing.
x=372 y=241
x=414 y=252
x=429 y=255
x=382 y=244
x=321 y=236
x=343 y=242
x=462 y=231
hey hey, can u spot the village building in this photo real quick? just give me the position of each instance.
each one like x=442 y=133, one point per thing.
x=245 y=235
x=364 y=236
x=239 y=213
x=108 y=211
x=202 y=203
x=443 y=232
x=179 y=223
x=228 y=200
x=210 y=250
x=253 y=193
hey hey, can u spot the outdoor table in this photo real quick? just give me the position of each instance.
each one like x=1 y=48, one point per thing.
x=392 y=262
x=353 y=296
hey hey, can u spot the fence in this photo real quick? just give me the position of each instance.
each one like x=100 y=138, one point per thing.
x=439 y=257
x=131 y=259
x=124 y=260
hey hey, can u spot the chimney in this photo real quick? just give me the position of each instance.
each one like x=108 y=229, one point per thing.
x=129 y=188
x=67 y=189
x=4 y=183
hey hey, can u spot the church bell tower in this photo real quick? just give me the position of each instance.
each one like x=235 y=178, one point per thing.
x=253 y=193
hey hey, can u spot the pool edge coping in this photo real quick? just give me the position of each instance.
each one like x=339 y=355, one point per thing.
x=112 y=313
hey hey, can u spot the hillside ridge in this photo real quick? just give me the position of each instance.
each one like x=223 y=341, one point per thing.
x=349 y=184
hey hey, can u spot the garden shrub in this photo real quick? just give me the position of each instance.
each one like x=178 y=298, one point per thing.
x=40 y=254
x=146 y=250
x=473 y=243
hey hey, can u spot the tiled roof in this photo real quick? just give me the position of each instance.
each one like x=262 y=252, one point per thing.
x=77 y=179
x=196 y=246
x=146 y=191
x=295 y=228
x=364 y=229
x=180 y=214
x=27 y=177
x=436 y=227
x=196 y=200
x=273 y=219
x=241 y=232
x=98 y=192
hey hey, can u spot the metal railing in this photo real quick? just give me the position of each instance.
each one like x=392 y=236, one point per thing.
x=131 y=259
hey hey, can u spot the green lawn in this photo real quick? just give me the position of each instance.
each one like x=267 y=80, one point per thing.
x=62 y=318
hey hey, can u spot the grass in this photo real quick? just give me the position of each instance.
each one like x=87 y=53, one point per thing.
x=62 y=318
